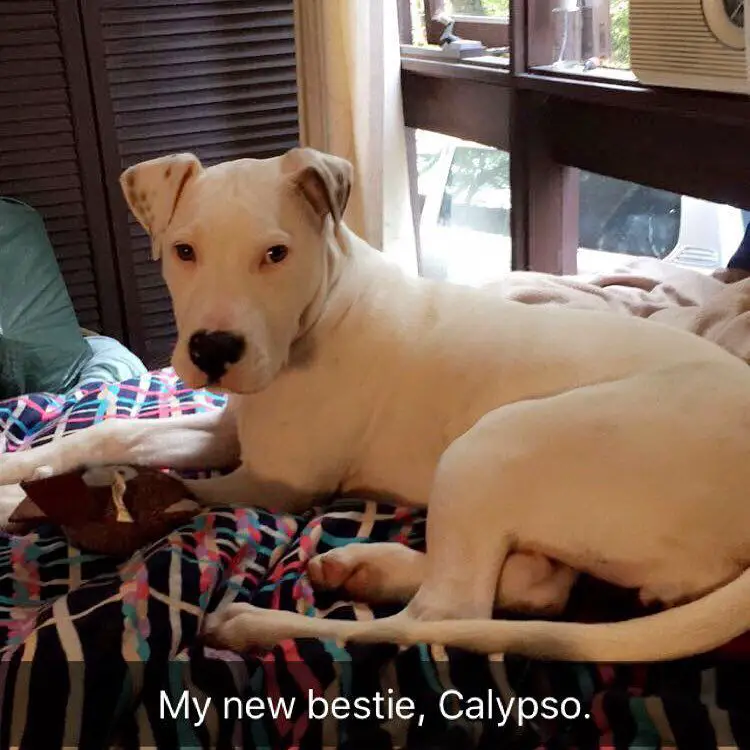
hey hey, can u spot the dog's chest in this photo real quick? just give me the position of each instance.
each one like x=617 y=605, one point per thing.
x=296 y=433
x=320 y=438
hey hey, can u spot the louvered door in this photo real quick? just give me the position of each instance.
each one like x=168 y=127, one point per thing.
x=215 y=77
x=48 y=153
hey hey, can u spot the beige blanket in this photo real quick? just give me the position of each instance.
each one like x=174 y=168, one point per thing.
x=652 y=289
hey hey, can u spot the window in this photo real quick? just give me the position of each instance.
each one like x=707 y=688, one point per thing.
x=417 y=32
x=479 y=7
x=464 y=199
x=624 y=220
x=675 y=186
x=619 y=35
x=620 y=222
x=484 y=21
x=588 y=37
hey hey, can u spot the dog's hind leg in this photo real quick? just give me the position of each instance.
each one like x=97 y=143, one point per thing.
x=470 y=523
x=388 y=572
x=533 y=584
x=470 y=533
x=636 y=482
x=379 y=572
x=481 y=495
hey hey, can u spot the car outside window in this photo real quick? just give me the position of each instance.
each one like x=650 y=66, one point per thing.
x=621 y=217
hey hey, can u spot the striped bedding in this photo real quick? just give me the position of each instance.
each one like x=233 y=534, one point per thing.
x=99 y=652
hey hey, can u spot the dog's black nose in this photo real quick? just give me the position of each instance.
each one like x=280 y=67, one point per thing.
x=213 y=352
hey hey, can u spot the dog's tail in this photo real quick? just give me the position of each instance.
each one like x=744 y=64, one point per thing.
x=694 y=628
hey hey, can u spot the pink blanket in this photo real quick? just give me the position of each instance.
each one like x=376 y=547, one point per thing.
x=705 y=305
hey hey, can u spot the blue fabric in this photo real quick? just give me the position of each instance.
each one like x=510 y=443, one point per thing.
x=41 y=346
x=741 y=257
x=112 y=362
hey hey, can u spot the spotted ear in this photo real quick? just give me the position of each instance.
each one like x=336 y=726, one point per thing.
x=153 y=189
x=323 y=179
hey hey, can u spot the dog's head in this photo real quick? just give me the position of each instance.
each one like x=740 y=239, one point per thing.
x=245 y=248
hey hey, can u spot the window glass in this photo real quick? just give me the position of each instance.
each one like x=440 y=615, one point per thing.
x=418 y=23
x=622 y=217
x=464 y=198
x=619 y=24
x=588 y=36
x=478 y=7
x=481 y=24
x=620 y=222
x=464 y=218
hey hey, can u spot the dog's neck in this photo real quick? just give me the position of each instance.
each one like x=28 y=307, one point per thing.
x=357 y=277
x=337 y=253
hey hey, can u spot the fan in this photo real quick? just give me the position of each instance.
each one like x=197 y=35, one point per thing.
x=726 y=19
x=694 y=44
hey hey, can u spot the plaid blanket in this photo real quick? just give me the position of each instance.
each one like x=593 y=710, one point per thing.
x=98 y=651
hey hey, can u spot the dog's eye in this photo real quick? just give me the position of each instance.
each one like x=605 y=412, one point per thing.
x=185 y=252
x=277 y=253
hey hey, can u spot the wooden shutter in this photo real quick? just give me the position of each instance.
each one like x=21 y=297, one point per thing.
x=215 y=77
x=48 y=153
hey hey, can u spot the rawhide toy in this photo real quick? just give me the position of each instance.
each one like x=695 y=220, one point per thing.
x=112 y=510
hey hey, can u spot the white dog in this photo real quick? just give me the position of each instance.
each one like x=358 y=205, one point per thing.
x=547 y=442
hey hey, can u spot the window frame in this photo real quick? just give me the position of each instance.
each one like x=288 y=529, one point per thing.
x=492 y=31
x=553 y=125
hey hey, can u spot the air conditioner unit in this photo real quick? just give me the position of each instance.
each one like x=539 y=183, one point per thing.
x=694 y=44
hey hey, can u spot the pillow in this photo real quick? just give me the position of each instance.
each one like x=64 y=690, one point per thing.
x=112 y=362
x=41 y=346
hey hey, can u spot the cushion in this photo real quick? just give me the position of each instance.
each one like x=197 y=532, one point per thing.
x=41 y=345
x=112 y=362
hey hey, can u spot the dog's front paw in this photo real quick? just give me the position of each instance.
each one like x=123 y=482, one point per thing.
x=43 y=462
x=19 y=466
x=239 y=627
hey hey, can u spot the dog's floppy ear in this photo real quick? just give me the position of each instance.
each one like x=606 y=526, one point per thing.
x=323 y=179
x=153 y=189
